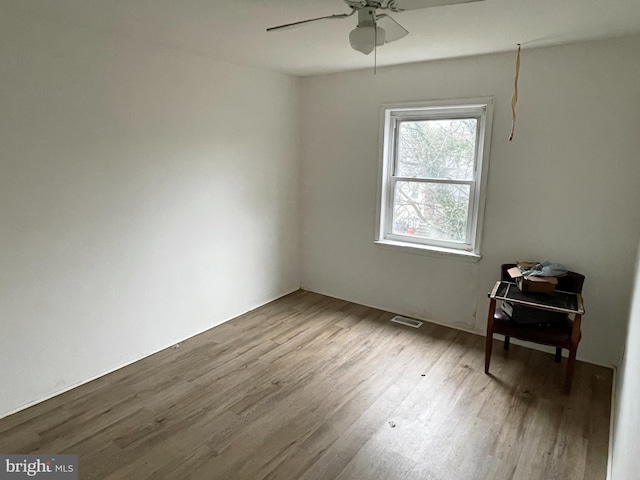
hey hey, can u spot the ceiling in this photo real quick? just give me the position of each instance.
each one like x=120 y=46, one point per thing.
x=235 y=30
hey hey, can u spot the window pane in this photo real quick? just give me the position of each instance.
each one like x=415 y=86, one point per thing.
x=431 y=210
x=443 y=149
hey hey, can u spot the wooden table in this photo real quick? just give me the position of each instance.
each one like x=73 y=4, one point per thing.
x=558 y=301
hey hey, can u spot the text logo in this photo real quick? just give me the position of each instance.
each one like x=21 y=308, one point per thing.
x=44 y=466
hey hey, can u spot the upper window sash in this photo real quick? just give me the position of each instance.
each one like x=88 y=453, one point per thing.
x=428 y=114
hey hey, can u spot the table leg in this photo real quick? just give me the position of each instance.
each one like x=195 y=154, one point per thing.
x=489 y=344
x=571 y=363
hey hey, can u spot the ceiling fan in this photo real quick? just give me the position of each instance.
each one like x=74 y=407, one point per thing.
x=375 y=29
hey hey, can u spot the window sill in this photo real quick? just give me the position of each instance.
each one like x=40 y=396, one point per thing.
x=428 y=250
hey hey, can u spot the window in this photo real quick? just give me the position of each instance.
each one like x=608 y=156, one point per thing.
x=434 y=159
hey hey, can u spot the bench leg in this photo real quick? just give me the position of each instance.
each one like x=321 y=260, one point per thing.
x=573 y=349
x=571 y=366
x=489 y=341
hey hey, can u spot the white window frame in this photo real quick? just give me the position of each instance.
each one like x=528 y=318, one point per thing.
x=391 y=115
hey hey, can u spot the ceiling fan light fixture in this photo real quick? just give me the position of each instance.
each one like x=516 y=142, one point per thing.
x=365 y=38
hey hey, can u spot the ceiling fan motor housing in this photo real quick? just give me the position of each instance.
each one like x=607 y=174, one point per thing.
x=367 y=17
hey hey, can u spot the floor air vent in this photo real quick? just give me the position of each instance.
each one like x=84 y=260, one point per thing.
x=409 y=322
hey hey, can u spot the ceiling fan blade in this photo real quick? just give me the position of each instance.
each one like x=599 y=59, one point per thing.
x=394 y=31
x=416 y=4
x=287 y=26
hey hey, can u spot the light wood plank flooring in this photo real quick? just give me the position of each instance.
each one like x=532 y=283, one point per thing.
x=310 y=387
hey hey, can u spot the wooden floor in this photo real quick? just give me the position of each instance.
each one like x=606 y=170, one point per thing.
x=310 y=387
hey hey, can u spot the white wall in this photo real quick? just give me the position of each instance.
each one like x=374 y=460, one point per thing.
x=625 y=461
x=145 y=195
x=564 y=190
